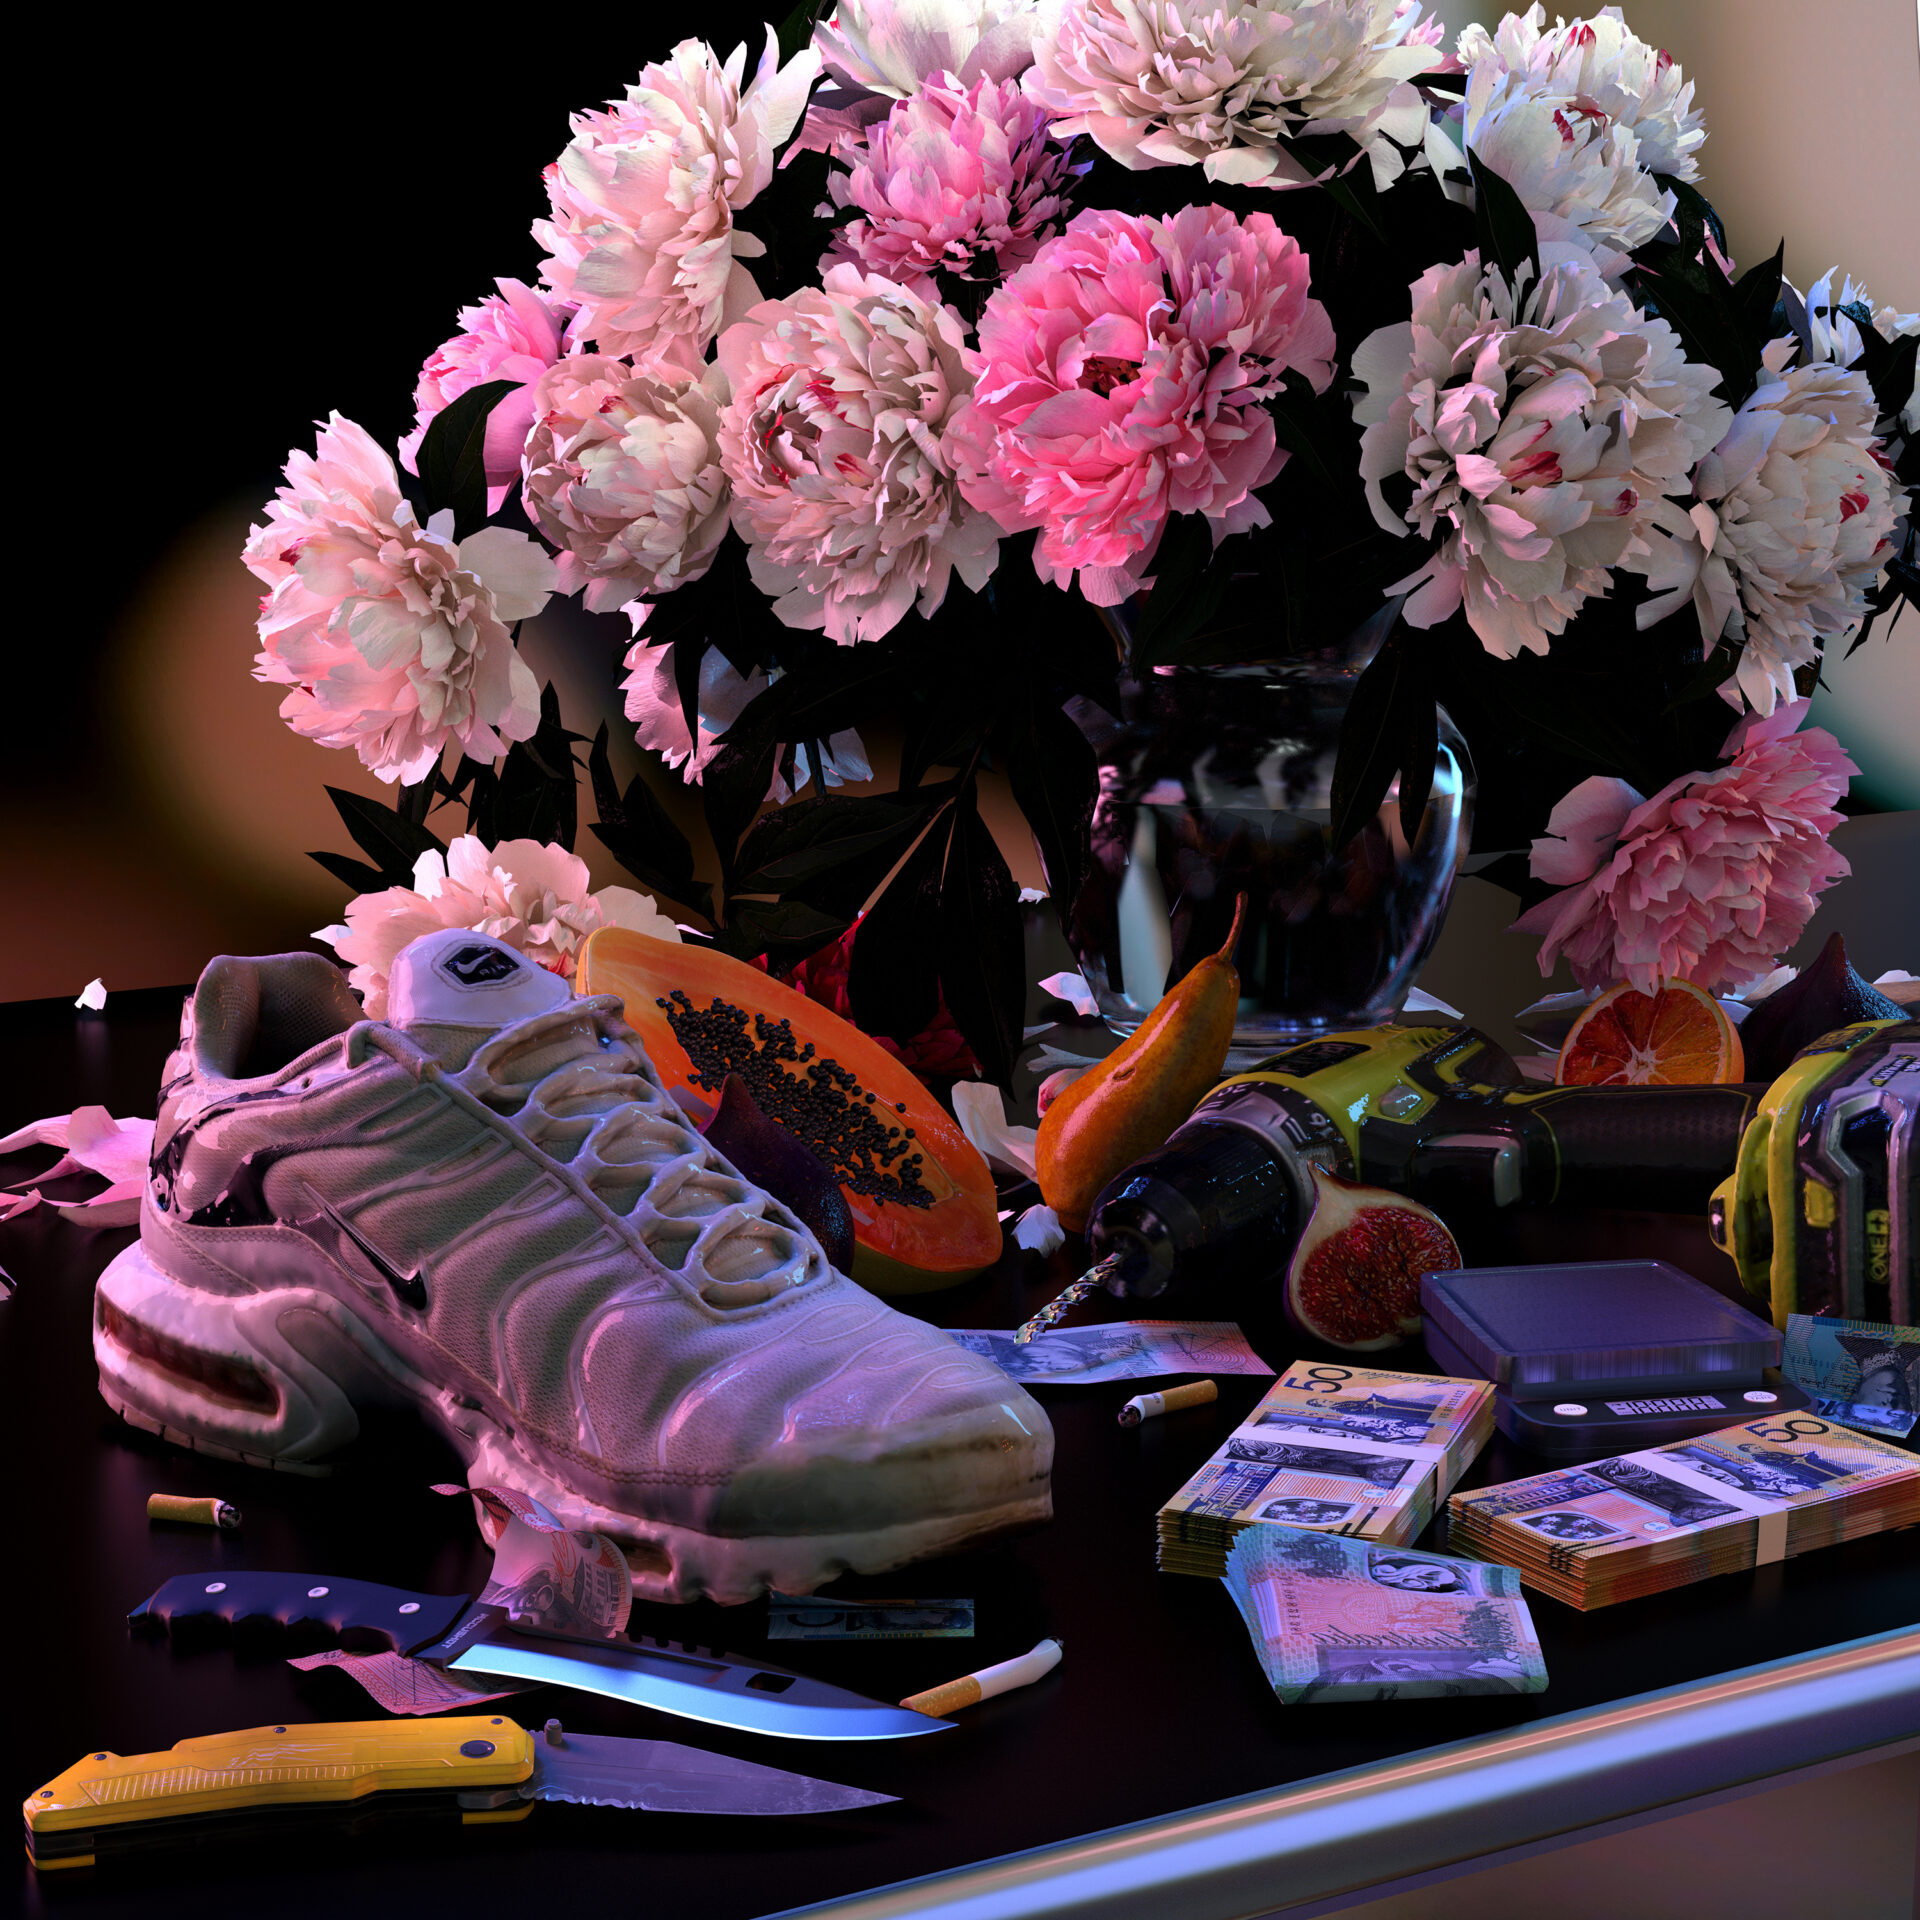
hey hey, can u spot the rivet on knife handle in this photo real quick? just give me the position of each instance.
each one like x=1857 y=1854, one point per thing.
x=326 y=1611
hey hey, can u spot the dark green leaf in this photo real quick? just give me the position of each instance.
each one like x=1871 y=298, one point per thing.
x=734 y=788
x=452 y=460
x=1504 y=225
x=791 y=850
x=637 y=830
x=538 y=793
x=1712 y=673
x=387 y=837
x=1708 y=327
x=1419 y=753
x=1184 y=555
x=838 y=690
x=355 y=873
x=982 y=946
x=1381 y=716
x=1755 y=295
x=1351 y=196
x=1694 y=213
x=787 y=930
x=1056 y=779
x=688 y=655
x=1889 y=368
x=893 y=976
x=796 y=30
x=1296 y=425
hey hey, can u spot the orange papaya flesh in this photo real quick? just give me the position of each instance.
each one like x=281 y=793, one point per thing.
x=924 y=1210
x=1147 y=1086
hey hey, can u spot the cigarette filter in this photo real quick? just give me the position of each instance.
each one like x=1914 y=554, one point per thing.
x=964 y=1692
x=1149 y=1406
x=199 y=1513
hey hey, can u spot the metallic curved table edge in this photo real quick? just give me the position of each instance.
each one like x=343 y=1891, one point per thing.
x=1375 y=1827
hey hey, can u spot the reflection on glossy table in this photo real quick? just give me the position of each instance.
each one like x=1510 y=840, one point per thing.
x=1159 y=1706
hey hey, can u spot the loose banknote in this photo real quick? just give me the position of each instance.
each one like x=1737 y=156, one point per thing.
x=1640 y=1523
x=1351 y=1450
x=1117 y=1350
x=1335 y=1619
x=1858 y=1372
x=813 y=1617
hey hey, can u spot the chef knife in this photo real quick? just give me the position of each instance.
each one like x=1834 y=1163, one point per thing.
x=460 y=1634
x=480 y=1768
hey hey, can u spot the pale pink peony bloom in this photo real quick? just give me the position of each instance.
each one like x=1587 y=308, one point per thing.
x=893 y=47
x=957 y=178
x=536 y=897
x=642 y=236
x=515 y=334
x=392 y=636
x=1709 y=881
x=844 y=489
x=1790 y=525
x=1121 y=379
x=660 y=721
x=1540 y=431
x=1220 y=84
x=1578 y=119
x=623 y=476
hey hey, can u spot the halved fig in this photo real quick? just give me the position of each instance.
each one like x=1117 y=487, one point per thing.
x=1354 y=1280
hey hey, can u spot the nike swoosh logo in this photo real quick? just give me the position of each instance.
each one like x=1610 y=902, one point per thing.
x=410 y=1289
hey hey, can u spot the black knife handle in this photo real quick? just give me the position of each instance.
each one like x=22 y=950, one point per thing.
x=313 y=1609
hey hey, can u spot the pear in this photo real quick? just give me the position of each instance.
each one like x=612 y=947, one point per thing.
x=783 y=1165
x=1826 y=995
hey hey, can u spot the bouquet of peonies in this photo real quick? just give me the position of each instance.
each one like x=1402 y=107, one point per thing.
x=960 y=358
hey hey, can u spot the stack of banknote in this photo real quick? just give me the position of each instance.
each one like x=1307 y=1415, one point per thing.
x=1336 y=1619
x=1335 y=1448
x=1859 y=1372
x=1642 y=1522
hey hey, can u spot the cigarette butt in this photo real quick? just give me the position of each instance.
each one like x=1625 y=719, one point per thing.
x=1149 y=1406
x=938 y=1702
x=191 y=1512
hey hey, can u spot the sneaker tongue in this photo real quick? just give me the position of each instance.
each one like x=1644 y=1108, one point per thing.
x=457 y=978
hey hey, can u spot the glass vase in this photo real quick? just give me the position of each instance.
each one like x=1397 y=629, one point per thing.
x=1216 y=781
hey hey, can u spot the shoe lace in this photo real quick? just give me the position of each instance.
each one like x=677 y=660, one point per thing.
x=575 y=1085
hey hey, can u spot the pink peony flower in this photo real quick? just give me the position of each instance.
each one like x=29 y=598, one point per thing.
x=514 y=334
x=1791 y=522
x=1540 y=427
x=1221 y=83
x=1120 y=379
x=623 y=476
x=535 y=896
x=642 y=235
x=844 y=490
x=1711 y=880
x=392 y=636
x=960 y=178
x=660 y=721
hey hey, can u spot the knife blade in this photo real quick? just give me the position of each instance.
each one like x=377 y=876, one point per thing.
x=456 y=1632
x=480 y=1768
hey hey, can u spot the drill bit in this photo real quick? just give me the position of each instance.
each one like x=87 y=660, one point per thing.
x=1057 y=1309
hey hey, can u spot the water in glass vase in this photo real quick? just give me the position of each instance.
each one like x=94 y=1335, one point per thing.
x=1216 y=781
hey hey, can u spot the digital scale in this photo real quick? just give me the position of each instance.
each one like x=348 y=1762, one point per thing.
x=1601 y=1357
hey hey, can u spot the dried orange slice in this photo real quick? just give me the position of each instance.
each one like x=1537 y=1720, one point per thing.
x=1680 y=1036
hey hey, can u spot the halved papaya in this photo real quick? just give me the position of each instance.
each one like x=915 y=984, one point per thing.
x=924 y=1211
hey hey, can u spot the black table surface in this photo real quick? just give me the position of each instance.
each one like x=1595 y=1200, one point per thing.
x=1158 y=1706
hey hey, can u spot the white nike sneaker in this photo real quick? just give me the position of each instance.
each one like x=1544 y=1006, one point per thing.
x=488 y=1205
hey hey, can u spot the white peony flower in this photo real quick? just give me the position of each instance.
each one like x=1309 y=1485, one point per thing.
x=391 y=636
x=889 y=47
x=531 y=894
x=1538 y=428
x=1788 y=528
x=1833 y=334
x=1219 y=83
x=622 y=473
x=1578 y=120
x=660 y=722
x=642 y=235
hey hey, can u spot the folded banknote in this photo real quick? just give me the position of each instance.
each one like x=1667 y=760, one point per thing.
x=1338 y=1619
x=1117 y=1350
x=813 y=1617
x=1860 y=1373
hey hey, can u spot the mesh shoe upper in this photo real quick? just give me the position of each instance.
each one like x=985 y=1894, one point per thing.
x=523 y=1215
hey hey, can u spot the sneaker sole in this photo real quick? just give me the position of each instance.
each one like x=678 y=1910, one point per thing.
x=217 y=1373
